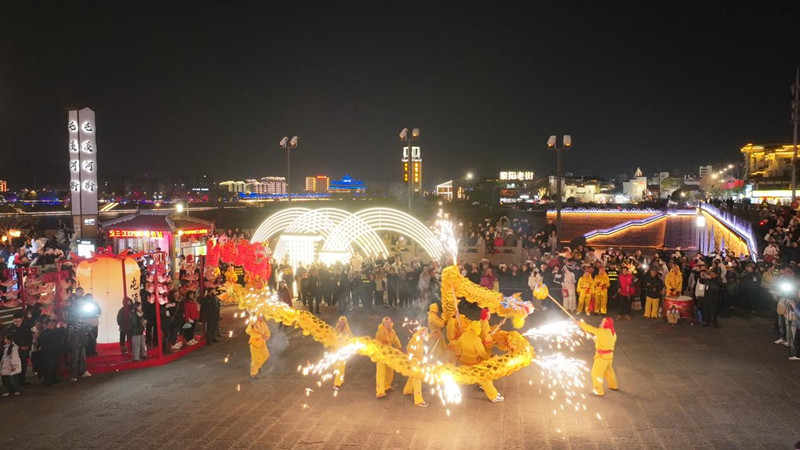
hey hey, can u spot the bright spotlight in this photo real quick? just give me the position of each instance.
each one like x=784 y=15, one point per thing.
x=179 y=207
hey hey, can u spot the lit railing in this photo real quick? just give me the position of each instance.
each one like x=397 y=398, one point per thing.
x=737 y=225
x=635 y=223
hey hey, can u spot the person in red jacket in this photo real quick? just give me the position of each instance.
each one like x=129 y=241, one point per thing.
x=625 y=293
x=190 y=315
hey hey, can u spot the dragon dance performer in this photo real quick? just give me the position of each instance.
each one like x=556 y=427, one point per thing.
x=383 y=373
x=585 y=288
x=259 y=335
x=605 y=338
x=601 y=284
x=343 y=327
x=436 y=325
x=416 y=349
x=470 y=350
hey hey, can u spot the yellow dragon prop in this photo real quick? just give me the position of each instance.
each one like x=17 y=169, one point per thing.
x=518 y=351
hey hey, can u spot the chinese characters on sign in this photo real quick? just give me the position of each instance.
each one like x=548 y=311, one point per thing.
x=82 y=162
x=516 y=176
x=197 y=231
x=135 y=234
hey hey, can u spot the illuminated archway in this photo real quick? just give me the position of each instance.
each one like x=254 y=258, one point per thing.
x=332 y=235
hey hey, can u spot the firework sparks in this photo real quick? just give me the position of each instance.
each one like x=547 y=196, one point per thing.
x=445 y=230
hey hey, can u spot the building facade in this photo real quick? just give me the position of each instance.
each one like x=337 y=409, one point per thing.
x=768 y=170
x=347 y=185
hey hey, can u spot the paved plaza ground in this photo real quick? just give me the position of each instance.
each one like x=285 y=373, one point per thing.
x=680 y=387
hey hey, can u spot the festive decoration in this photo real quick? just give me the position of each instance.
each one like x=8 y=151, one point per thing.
x=541 y=292
x=102 y=276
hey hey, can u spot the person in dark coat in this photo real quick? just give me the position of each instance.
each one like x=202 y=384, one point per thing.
x=750 y=290
x=713 y=285
x=20 y=333
x=209 y=313
x=124 y=324
x=51 y=344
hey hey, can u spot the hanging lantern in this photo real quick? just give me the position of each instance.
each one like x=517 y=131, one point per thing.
x=102 y=276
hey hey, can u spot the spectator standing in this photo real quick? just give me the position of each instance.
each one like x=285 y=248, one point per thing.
x=51 y=344
x=138 y=324
x=124 y=324
x=21 y=334
x=10 y=367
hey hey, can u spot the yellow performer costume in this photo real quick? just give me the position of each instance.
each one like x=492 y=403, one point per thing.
x=517 y=352
x=470 y=350
x=259 y=335
x=674 y=282
x=230 y=275
x=343 y=328
x=605 y=338
x=585 y=289
x=600 y=288
x=416 y=349
x=436 y=335
x=383 y=373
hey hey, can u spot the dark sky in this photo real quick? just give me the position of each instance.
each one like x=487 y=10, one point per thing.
x=189 y=87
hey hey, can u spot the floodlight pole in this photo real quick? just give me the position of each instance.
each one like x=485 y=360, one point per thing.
x=566 y=142
x=795 y=106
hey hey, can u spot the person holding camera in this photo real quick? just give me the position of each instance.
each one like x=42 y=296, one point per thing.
x=83 y=314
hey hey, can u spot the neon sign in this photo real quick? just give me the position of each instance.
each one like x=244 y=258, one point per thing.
x=194 y=232
x=135 y=234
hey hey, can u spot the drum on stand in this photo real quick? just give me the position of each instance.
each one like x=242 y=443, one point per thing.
x=683 y=303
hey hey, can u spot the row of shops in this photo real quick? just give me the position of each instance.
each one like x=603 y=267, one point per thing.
x=175 y=234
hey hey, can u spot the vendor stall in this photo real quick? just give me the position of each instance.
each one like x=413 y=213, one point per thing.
x=156 y=231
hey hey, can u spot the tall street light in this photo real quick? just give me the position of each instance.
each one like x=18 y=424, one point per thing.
x=552 y=143
x=410 y=160
x=795 y=118
x=289 y=145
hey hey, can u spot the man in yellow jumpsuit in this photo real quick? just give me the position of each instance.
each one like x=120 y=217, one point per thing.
x=435 y=334
x=605 y=338
x=674 y=281
x=416 y=349
x=585 y=288
x=600 y=286
x=259 y=335
x=383 y=373
x=343 y=328
x=470 y=351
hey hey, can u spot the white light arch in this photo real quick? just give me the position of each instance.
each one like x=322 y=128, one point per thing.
x=302 y=229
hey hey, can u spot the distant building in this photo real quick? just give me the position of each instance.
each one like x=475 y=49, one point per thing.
x=266 y=185
x=705 y=170
x=273 y=185
x=347 y=185
x=635 y=188
x=234 y=186
x=3 y=186
x=319 y=184
x=768 y=168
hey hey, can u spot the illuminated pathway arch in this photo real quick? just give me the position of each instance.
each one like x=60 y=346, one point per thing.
x=302 y=230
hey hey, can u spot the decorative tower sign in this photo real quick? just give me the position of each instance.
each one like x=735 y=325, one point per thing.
x=83 y=187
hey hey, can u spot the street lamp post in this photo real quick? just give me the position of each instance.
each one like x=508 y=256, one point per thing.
x=795 y=118
x=408 y=158
x=552 y=143
x=289 y=145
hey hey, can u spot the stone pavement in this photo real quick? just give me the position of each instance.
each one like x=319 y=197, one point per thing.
x=681 y=387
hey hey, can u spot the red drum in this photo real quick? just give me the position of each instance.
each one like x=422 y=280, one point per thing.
x=684 y=304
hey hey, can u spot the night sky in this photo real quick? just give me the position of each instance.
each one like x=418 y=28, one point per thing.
x=187 y=87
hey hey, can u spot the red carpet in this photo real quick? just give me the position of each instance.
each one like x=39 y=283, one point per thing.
x=111 y=359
